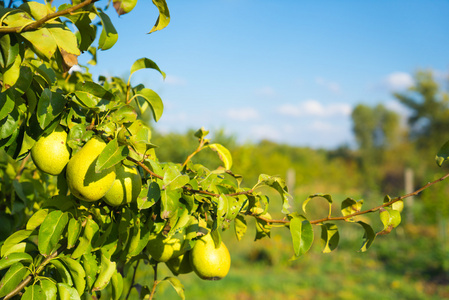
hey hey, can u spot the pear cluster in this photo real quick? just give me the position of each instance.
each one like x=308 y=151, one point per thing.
x=205 y=259
x=116 y=186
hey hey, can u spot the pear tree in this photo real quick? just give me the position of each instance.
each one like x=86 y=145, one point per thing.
x=83 y=196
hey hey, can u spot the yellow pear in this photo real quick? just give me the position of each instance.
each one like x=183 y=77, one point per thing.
x=180 y=264
x=126 y=187
x=83 y=181
x=162 y=248
x=208 y=262
x=50 y=153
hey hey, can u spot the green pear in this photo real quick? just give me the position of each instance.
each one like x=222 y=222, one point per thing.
x=180 y=264
x=126 y=187
x=84 y=183
x=208 y=262
x=162 y=248
x=50 y=153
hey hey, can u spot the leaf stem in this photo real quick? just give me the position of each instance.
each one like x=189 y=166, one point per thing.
x=35 y=25
x=200 y=147
x=27 y=280
x=132 y=280
x=155 y=282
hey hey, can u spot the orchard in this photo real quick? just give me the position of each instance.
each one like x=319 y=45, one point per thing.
x=83 y=196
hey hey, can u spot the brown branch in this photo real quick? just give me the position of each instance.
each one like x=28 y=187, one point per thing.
x=187 y=188
x=27 y=280
x=155 y=282
x=343 y=218
x=35 y=25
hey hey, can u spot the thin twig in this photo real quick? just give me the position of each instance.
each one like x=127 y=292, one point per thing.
x=27 y=280
x=155 y=282
x=35 y=25
x=132 y=280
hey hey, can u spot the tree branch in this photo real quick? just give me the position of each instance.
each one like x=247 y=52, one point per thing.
x=35 y=25
x=27 y=280
x=343 y=218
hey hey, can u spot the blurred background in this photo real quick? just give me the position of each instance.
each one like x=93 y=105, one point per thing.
x=347 y=98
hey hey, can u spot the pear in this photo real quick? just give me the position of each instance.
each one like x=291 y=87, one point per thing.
x=126 y=187
x=50 y=153
x=162 y=248
x=180 y=264
x=84 y=183
x=208 y=262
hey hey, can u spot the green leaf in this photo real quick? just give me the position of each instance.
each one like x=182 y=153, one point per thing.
x=302 y=234
x=125 y=114
x=240 y=227
x=325 y=196
x=12 y=73
x=41 y=41
x=368 y=236
x=349 y=206
x=90 y=234
x=7 y=104
x=279 y=185
x=201 y=133
x=329 y=237
x=107 y=269
x=390 y=219
x=91 y=268
x=50 y=105
x=145 y=63
x=64 y=38
x=170 y=204
x=117 y=285
x=153 y=100
x=108 y=36
x=111 y=155
x=224 y=155
x=34 y=292
x=76 y=271
x=51 y=231
x=153 y=195
x=14 y=239
x=12 y=278
x=13 y=258
x=49 y=289
x=9 y=49
x=10 y=124
x=124 y=6
x=94 y=89
x=173 y=179
x=73 y=232
x=177 y=285
x=36 y=219
x=63 y=271
x=164 y=15
x=66 y=292
x=443 y=154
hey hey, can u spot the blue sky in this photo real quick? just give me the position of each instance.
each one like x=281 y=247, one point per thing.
x=288 y=71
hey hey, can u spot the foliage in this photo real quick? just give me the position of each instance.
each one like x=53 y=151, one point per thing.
x=54 y=244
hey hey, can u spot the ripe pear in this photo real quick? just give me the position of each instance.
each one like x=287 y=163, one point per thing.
x=162 y=248
x=180 y=265
x=50 y=153
x=208 y=262
x=82 y=179
x=126 y=187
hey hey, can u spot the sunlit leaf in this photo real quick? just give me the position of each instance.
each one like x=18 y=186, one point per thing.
x=14 y=239
x=164 y=15
x=329 y=237
x=108 y=36
x=51 y=231
x=111 y=155
x=10 y=259
x=368 y=236
x=325 y=196
x=12 y=278
x=153 y=100
x=177 y=285
x=350 y=206
x=107 y=269
x=34 y=292
x=224 y=155
x=302 y=234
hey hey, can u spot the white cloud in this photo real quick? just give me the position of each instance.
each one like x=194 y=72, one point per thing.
x=266 y=91
x=330 y=85
x=174 y=80
x=243 y=114
x=315 y=108
x=398 y=81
